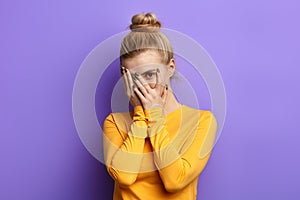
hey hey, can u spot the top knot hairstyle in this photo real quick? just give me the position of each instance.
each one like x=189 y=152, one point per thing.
x=145 y=22
x=145 y=35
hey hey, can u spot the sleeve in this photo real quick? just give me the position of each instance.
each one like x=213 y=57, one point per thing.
x=123 y=154
x=175 y=170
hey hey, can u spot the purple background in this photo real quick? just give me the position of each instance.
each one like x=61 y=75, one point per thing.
x=255 y=45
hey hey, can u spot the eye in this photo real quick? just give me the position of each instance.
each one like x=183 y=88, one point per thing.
x=149 y=75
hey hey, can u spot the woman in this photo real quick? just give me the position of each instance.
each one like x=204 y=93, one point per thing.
x=158 y=150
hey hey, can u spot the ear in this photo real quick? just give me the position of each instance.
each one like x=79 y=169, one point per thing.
x=171 y=67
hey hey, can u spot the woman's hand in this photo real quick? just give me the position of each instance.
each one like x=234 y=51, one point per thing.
x=150 y=97
x=129 y=86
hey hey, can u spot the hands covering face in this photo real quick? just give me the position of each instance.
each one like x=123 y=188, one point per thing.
x=138 y=80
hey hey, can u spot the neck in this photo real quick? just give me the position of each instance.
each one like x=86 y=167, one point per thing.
x=171 y=102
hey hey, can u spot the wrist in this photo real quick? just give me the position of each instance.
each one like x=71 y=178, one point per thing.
x=156 y=121
x=138 y=113
x=154 y=114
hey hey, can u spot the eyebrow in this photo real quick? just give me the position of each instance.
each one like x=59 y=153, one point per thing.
x=151 y=70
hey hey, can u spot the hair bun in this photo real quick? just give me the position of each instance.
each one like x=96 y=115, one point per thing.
x=145 y=22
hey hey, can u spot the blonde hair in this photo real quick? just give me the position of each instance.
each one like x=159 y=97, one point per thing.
x=145 y=35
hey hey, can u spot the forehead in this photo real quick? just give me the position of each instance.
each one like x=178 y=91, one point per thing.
x=143 y=59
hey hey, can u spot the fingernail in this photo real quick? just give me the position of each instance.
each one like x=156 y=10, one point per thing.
x=122 y=71
x=134 y=78
x=157 y=69
x=133 y=87
x=137 y=74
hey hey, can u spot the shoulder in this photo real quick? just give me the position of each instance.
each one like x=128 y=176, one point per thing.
x=203 y=117
x=202 y=113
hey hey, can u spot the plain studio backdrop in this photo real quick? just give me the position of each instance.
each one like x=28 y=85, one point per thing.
x=255 y=45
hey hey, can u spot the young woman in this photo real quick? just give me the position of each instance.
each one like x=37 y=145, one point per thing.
x=157 y=150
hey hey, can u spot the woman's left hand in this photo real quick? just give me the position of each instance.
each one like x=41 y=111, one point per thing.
x=149 y=97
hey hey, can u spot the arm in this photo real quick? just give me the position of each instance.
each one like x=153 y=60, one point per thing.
x=177 y=171
x=123 y=156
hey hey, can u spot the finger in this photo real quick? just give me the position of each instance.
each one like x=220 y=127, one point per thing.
x=130 y=82
x=140 y=86
x=158 y=83
x=125 y=81
x=122 y=70
x=139 y=94
x=143 y=82
x=165 y=93
x=134 y=94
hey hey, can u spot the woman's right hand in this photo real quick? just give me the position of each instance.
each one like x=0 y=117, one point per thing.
x=129 y=84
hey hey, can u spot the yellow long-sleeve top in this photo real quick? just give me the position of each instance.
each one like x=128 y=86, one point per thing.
x=153 y=155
